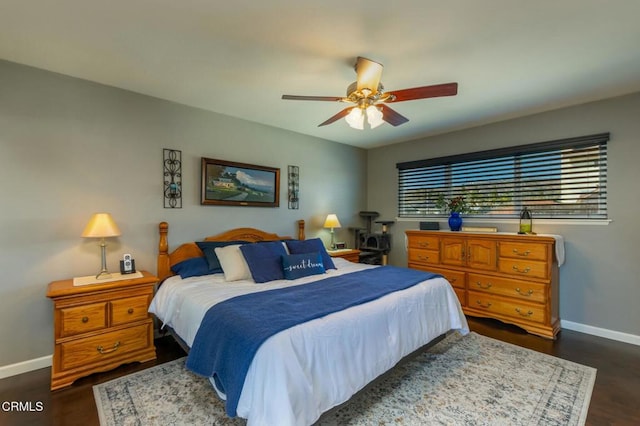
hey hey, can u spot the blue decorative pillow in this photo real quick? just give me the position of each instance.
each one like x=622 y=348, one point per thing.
x=193 y=267
x=264 y=260
x=311 y=246
x=302 y=265
x=208 y=248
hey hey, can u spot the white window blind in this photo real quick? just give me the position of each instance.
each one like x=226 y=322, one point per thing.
x=557 y=179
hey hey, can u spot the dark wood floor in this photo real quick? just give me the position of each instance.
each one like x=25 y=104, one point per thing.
x=615 y=399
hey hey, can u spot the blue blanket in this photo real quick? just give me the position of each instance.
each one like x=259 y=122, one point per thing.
x=233 y=330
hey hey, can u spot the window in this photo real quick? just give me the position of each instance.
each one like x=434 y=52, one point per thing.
x=558 y=179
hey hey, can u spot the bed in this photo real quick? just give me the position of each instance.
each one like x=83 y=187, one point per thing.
x=295 y=374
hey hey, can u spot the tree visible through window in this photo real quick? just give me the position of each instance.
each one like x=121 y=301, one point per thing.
x=557 y=179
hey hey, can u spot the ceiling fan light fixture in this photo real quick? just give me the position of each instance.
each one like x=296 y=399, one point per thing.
x=355 y=119
x=374 y=116
x=367 y=94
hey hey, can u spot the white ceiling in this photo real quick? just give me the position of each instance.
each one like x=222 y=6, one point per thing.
x=510 y=57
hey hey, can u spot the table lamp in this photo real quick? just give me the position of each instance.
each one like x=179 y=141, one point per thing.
x=332 y=222
x=102 y=226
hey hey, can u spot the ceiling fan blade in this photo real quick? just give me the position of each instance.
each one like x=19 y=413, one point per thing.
x=391 y=116
x=369 y=74
x=437 y=90
x=337 y=117
x=312 y=98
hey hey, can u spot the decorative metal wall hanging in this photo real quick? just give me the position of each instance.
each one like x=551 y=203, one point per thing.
x=294 y=187
x=172 y=163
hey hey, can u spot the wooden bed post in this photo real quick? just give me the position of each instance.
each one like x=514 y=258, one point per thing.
x=164 y=266
x=301 y=230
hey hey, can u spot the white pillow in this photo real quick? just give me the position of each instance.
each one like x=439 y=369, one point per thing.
x=234 y=266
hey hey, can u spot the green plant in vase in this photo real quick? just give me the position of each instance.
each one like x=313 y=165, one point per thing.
x=454 y=206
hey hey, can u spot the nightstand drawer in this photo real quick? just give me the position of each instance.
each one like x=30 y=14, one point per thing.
x=129 y=310
x=79 y=353
x=80 y=319
x=352 y=255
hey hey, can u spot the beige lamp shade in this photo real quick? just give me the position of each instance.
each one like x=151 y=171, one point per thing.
x=332 y=221
x=101 y=225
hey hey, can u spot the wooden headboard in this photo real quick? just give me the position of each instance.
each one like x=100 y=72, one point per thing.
x=188 y=250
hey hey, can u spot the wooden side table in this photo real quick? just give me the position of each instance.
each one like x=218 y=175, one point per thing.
x=98 y=327
x=351 y=255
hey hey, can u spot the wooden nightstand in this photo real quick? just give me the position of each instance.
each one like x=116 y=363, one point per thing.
x=98 y=327
x=351 y=255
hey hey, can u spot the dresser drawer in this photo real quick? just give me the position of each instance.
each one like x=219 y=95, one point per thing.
x=524 y=250
x=109 y=345
x=424 y=242
x=80 y=319
x=462 y=296
x=456 y=278
x=424 y=256
x=519 y=289
x=511 y=308
x=129 y=310
x=523 y=268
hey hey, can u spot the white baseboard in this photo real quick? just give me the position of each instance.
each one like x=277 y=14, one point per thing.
x=45 y=361
x=25 y=366
x=601 y=332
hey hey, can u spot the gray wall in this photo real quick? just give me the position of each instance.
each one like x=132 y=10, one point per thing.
x=69 y=148
x=600 y=281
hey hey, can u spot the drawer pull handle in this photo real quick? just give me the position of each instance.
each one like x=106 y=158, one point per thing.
x=423 y=244
x=523 y=271
x=479 y=284
x=528 y=314
x=452 y=280
x=524 y=253
x=520 y=292
x=488 y=305
x=108 y=351
x=130 y=311
x=423 y=257
x=85 y=319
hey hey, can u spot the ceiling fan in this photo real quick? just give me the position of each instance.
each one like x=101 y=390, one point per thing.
x=368 y=96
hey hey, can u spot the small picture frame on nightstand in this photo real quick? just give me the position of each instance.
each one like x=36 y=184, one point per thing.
x=341 y=245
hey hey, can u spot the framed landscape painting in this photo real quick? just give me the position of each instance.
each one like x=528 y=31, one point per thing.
x=229 y=183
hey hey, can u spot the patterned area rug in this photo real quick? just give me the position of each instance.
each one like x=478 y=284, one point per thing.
x=470 y=380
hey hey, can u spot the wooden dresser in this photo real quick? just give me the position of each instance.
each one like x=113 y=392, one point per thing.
x=510 y=277
x=98 y=327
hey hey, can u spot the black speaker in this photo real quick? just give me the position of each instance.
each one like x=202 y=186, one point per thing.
x=429 y=226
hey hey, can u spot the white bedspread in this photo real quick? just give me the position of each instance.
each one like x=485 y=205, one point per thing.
x=299 y=373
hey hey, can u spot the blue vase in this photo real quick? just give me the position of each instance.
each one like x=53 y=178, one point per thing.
x=455 y=221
